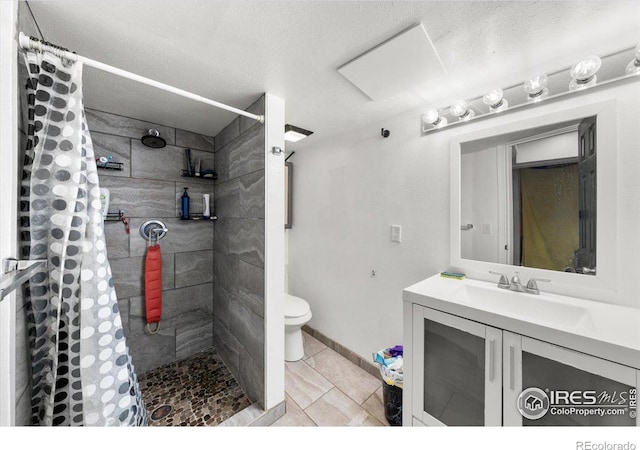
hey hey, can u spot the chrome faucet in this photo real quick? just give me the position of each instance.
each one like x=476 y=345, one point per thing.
x=516 y=285
x=504 y=281
x=532 y=285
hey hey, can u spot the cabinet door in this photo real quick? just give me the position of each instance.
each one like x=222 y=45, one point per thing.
x=555 y=386
x=457 y=377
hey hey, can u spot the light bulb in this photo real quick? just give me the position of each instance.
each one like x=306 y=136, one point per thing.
x=633 y=68
x=432 y=117
x=536 y=88
x=495 y=100
x=461 y=110
x=583 y=73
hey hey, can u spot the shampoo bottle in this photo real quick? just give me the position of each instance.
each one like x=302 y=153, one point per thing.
x=206 y=214
x=185 y=204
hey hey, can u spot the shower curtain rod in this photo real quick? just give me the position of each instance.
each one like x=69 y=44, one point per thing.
x=27 y=42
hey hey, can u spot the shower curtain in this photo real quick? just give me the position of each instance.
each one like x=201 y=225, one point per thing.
x=82 y=372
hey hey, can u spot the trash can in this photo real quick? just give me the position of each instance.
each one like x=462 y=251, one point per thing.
x=392 y=399
x=389 y=361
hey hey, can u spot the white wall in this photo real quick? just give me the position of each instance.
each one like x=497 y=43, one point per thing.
x=349 y=189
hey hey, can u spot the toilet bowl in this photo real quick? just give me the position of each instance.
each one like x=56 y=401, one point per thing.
x=296 y=314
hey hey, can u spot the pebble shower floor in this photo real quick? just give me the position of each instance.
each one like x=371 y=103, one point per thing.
x=200 y=391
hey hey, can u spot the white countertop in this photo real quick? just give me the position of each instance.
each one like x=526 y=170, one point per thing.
x=604 y=330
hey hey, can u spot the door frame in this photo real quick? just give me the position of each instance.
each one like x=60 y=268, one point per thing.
x=8 y=201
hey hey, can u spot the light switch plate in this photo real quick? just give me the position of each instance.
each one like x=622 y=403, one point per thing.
x=396 y=233
x=486 y=228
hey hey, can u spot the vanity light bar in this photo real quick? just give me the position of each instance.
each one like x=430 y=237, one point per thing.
x=582 y=73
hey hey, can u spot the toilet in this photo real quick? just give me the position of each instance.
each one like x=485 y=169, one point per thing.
x=296 y=314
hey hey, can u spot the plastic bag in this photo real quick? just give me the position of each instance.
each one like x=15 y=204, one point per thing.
x=389 y=361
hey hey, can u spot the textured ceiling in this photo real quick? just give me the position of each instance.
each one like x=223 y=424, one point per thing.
x=232 y=51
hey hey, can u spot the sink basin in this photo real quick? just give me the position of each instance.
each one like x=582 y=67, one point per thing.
x=534 y=308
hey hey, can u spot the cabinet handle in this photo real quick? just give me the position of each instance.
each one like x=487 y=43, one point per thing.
x=512 y=367
x=492 y=359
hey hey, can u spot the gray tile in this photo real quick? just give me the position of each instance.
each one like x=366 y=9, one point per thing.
x=228 y=134
x=246 y=240
x=166 y=163
x=251 y=377
x=141 y=198
x=193 y=268
x=117 y=240
x=183 y=236
x=350 y=378
x=104 y=122
x=225 y=271
x=374 y=405
x=193 y=140
x=222 y=165
x=195 y=192
x=258 y=107
x=247 y=153
x=151 y=351
x=335 y=409
x=311 y=345
x=248 y=328
x=303 y=384
x=252 y=195
x=294 y=416
x=227 y=345
x=118 y=147
x=221 y=235
x=245 y=417
x=222 y=298
x=194 y=333
x=227 y=200
x=177 y=302
x=127 y=276
x=251 y=289
x=123 y=307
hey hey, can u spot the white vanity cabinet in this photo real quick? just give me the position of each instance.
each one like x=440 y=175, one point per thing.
x=467 y=373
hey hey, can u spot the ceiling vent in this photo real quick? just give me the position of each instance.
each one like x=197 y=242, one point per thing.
x=405 y=62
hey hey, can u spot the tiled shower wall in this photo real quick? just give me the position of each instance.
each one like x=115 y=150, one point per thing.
x=238 y=246
x=150 y=187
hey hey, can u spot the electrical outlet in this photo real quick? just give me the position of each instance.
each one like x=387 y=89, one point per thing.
x=373 y=273
x=396 y=233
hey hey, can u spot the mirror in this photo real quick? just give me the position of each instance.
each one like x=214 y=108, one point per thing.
x=529 y=198
x=538 y=193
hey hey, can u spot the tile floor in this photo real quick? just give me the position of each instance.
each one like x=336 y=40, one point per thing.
x=326 y=389
x=200 y=390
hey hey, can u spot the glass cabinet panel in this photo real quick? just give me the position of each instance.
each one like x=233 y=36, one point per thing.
x=595 y=401
x=454 y=375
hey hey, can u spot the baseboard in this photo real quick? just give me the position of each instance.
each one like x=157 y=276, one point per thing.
x=364 y=364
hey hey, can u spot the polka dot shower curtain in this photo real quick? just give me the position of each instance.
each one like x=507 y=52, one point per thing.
x=82 y=372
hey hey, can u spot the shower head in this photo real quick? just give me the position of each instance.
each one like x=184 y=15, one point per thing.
x=153 y=139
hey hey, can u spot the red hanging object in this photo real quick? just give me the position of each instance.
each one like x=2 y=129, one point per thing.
x=153 y=287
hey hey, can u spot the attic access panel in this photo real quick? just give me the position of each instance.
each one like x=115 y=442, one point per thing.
x=404 y=62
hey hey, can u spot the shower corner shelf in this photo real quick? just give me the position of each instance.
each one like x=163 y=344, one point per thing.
x=187 y=174
x=199 y=217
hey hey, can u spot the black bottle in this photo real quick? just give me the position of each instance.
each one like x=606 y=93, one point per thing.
x=185 y=205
